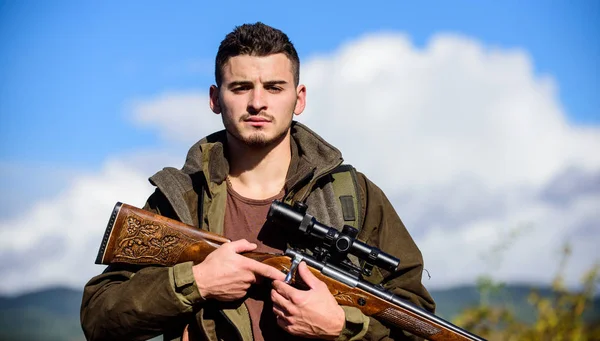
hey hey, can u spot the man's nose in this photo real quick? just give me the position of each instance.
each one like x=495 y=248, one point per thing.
x=257 y=101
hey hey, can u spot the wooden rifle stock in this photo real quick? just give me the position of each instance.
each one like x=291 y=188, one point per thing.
x=136 y=236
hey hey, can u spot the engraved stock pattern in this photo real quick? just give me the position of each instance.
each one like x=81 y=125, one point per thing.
x=400 y=318
x=147 y=242
x=342 y=298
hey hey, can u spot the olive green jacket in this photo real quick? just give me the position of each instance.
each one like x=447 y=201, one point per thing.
x=137 y=303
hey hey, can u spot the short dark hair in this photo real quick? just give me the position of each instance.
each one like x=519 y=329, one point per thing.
x=256 y=40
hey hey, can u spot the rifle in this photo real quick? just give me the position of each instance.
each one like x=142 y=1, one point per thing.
x=136 y=236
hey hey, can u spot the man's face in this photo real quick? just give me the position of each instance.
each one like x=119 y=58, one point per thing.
x=257 y=98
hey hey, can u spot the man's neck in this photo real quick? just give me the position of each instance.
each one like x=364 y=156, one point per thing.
x=258 y=173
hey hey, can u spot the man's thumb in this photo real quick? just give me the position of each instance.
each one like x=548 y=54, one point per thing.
x=307 y=276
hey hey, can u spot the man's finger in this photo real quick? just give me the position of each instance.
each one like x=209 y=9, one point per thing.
x=280 y=312
x=241 y=245
x=283 y=289
x=284 y=323
x=265 y=270
x=307 y=276
x=281 y=303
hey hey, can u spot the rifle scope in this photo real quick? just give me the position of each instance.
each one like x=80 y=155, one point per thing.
x=343 y=242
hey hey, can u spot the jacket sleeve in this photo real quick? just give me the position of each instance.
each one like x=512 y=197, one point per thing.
x=137 y=303
x=383 y=228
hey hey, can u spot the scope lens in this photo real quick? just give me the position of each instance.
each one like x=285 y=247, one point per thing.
x=343 y=244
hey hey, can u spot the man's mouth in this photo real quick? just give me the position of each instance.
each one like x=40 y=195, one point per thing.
x=257 y=119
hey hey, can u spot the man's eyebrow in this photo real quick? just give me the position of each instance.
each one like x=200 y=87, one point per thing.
x=238 y=83
x=249 y=83
x=275 y=82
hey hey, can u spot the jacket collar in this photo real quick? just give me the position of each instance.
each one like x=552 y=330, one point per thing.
x=312 y=157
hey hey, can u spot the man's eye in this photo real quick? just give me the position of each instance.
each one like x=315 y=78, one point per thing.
x=274 y=89
x=240 y=89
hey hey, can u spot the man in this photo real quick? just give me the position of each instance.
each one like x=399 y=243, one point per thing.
x=226 y=186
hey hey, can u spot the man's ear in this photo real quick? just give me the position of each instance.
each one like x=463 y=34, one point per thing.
x=214 y=103
x=300 y=99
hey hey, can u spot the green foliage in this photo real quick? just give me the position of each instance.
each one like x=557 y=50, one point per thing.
x=559 y=317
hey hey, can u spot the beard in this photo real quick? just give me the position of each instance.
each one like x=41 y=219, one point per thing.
x=258 y=138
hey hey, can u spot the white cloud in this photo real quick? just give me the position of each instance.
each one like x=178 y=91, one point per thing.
x=517 y=237
x=452 y=109
x=466 y=140
x=56 y=241
x=178 y=117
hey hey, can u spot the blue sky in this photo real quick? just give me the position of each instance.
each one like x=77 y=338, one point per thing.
x=488 y=109
x=70 y=67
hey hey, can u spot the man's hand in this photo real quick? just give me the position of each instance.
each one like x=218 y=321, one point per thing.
x=226 y=276
x=313 y=313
